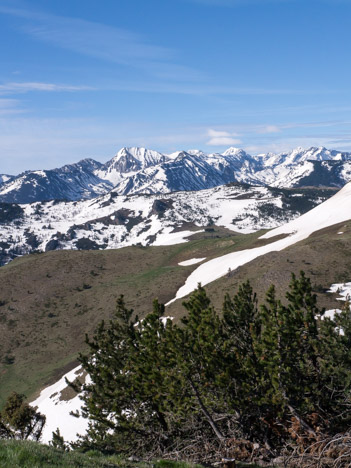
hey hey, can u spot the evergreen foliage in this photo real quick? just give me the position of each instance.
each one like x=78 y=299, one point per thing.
x=249 y=376
x=18 y=420
x=57 y=441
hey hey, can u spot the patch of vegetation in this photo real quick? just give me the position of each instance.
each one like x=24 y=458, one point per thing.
x=26 y=454
x=159 y=207
x=32 y=239
x=10 y=212
x=8 y=359
x=271 y=210
x=85 y=243
x=301 y=200
x=163 y=388
x=152 y=272
x=18 y=420
x=48 y=347
x=53 y=244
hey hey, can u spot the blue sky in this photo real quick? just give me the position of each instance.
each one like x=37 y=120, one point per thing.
x=84 y=78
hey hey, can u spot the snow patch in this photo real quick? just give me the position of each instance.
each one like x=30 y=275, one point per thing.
x=192 y=261
x=58 y=411
x=333 y=211
x=343 y=289
x=172 y=238
x=165 y=319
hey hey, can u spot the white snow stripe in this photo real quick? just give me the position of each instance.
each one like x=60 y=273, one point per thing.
x=332 y=211
x=191 y=261
x=57 y=411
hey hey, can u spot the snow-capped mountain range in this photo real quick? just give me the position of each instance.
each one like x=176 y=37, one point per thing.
x=71 y=182
x=112 y=221
x=143 y=171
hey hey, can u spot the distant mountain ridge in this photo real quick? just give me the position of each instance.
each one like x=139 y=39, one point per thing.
x=143 y=171
x=112 y=221
x=70 y=182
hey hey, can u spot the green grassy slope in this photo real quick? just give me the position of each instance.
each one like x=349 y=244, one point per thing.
x=49 y=301
x=325 y=257
x=25 y=454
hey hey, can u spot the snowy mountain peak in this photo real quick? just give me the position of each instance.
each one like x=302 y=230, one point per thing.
x=5 y=178
x=129 y=160
x=232 y=151
x=144 y=156
x=300 y=155
x=196 y=152
x=185 y=155
x=84 y=165
x=314 y=154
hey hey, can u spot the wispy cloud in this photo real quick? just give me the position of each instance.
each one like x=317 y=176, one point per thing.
x=9 y=107
x=222 y=138
x=103 y=42
x=201 y=88
x=317 y=124
x=266 y=129
x=158 y=87
x=24 y=87
x=161 y=70
x=87 y=37
x=270 y=129
x=8 y=103
x=287 y=144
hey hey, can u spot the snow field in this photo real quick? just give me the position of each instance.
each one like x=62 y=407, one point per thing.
x=344 y=289
x=57 y=411
x=235 y=208
x=191 y=261
x=332 y=211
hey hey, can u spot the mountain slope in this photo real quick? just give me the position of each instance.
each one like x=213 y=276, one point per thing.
x=262 y=272
x=72 y=182
x=113 y=221
x=331 y=212
x=300 y=155
x=185 y=172
x=301 y=168
x=139 y=170
x=129 y=160
x=49 y=301
x=5 y=178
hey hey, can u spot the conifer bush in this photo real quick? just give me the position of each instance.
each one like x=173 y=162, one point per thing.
x=18 y=420
x=247 y=381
